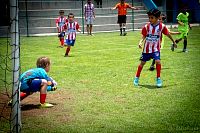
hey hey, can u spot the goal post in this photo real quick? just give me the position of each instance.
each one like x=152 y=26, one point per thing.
x=14 y=34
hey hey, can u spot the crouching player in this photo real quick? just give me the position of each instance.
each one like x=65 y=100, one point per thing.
x=36 y=79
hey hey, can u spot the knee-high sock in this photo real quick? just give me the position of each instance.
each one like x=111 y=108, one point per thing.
x=153 y=62
x=62 y=42
x=139 y=71
x=124 y=29
x=185 y=43
x=120 y=30
x=158 y=68
x=43 y=98
x=67 y=51
x=23 y=95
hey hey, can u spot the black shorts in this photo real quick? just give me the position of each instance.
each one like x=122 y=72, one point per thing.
x=121 y=19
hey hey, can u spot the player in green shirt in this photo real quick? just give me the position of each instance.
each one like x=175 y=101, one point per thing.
x=183 y=28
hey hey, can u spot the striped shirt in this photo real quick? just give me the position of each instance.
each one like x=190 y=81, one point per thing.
x=71 y=28
x=153 y=36
x=89 y=10
x=60 y=22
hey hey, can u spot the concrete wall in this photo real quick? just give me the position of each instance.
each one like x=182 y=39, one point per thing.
x=41 y=14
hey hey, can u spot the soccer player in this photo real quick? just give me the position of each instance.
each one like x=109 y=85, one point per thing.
x=36 y=79
x=89 y=16
x=70 y=27
x=162 y=19
x=60 y=22
x=183 y=28
x=122 y=12
x=151 y=36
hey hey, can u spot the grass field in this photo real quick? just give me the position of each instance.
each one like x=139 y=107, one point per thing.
x=95 y=86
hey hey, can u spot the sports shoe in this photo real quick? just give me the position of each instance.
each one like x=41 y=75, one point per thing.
x=9 y=103
x=136 y=81
x=46 y=105
x=65 y=55
x=172 y=47
x=54 y=88
x=185 y=50
x=124 y=34
x=159 y=82
x=151 y=68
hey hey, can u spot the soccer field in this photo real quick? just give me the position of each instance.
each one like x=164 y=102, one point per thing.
x=95 y=86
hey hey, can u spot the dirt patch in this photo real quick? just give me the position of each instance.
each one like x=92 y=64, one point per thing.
x=4 y=108
x=30 y=105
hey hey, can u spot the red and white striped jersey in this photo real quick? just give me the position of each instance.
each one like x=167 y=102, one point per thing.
x=60 y=22
x=71 y=28
x=153 y=35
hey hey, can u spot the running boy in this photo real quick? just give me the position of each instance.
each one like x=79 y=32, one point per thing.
x=71 y=27
x=36 y=79
x=183 y=28
x=152 y=35
x=60 y=22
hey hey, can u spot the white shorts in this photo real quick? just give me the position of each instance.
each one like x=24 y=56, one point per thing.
x=89 y=20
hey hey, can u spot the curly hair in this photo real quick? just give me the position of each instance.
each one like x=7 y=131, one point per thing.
x=43 y=62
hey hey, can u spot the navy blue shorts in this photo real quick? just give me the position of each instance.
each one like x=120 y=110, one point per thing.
x=34 y=86
x=62 y=34
x=70 y=42
x=148 y=56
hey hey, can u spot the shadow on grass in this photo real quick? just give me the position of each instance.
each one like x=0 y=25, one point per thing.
x=26 y=107
x=151 y=86
x=29 y=107
x=163 y=68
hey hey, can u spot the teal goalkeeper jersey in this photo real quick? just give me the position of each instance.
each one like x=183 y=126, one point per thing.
x=183 y=18
x=35 y=73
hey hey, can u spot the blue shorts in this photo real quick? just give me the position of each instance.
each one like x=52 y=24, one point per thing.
x=62 y=34
x=90 y=20
x=34 y=86
x=148 y=56
x=70 y=42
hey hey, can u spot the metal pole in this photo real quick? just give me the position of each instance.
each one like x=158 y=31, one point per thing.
x=82 y=14
x=133 y=16
x=27 y=28
x=16 y=112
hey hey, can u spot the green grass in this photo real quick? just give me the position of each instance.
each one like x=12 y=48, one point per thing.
x=96 y=93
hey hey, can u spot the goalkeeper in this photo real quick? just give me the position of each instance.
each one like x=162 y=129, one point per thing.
x=36 y=79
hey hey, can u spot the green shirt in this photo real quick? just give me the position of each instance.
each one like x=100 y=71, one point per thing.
x=183 y=18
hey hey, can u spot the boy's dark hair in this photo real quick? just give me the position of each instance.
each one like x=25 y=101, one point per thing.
x=43 y=62
x=61 y=11
x=163 y=17
x=155 y=12
x=70 y=14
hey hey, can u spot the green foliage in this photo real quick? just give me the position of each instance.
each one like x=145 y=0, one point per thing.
x=95 y=90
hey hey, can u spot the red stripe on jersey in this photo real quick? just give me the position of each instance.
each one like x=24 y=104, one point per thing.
x=153 y=47
x=147 y=48
x=153 y=30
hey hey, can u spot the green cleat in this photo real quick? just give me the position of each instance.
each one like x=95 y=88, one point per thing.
x=46 y=105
